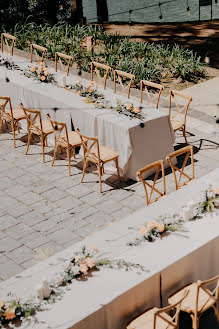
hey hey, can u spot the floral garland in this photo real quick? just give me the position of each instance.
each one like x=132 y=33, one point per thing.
x=79 y=266
x=129 y=110
x=174 y=222
x=41 y=73
x=9 y=64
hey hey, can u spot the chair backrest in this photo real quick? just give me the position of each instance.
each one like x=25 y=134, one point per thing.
x=187 y=151
x=32 y=116
x=36 y=49
x=98 y=68
x=59 y=127
x=118 y=75
x=94 y=142
x=5 y=37
x=151 y=97
x=212 y=295
x=181 y=110
x=59 y=57
x=172 y=322
x=159 y=165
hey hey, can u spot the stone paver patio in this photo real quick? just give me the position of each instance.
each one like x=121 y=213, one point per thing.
x=43 y=210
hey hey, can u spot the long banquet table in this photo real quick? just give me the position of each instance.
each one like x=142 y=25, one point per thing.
x=137 y=146
x=109 y=299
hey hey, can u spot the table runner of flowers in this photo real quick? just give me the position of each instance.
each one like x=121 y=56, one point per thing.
x=76 y=268
x=174 y=221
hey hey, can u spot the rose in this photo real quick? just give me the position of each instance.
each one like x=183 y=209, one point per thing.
x=46 y=72
x=151 y=224
x=33 y=69
x=136 y=109
x=77 y=258
x=216 y=190
x=9 y=314
x=143 y=230
x=90 y=262
x=91 y=90
x=83 y=268
x=128 y=107
x=43 y=78
x=160 y=227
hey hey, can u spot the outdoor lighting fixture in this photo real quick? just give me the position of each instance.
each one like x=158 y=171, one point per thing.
x=207 y=59
x=161 y=16
x=188 y=9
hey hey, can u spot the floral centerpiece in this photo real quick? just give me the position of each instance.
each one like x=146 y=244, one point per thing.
x=90 y=92
x=211 y=200
x=9 y=63
x=40 y=72
x=129 y=110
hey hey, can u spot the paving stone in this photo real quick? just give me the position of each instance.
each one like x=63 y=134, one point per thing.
x=16 y=190
x=32 y=218
x=86 y=230
x=134 y=202
x=122 y=213
x=87 y=212
x=46 y=227
x=94 y=198
x=18 y=209
x=70 y=243
x=30 y=198
x=109 y=206
x=7 y=221
x=79 y=191
x=4 y=165
x=40 y=187
x=44 y=207
x=6 y=182
x=3 y=259
x=2 y=212
x=2 y=235
x=14 y=172
x=27 y=180
x=7 y=201
x=8 y=244
x=68 y=203
x=121 y=194
x=49 y=248
x=99 y=219
x=62 y=236
x=54 y=194
x=21 y=254
x=9 y=269
x=19 y=231
x=73 y=223
x=34 y=240
x=65 y=183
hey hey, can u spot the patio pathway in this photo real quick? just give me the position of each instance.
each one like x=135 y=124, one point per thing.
x=43 y=211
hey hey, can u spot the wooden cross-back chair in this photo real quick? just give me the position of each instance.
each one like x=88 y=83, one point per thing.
x=159 y=166
x=151 y=97
x=12 y=116
x=64 y=139
x=118 y=75
x=64 y=68
x=187 y=151
x=33 y=50
x=5 y=37
x=156 y=318
x=178 y=119
x=95 y=68
x=199 y=299
x=98 y=155
x=37 y=126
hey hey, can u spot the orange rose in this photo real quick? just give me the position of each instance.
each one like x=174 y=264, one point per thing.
x=136 y=109
x=90 y=262
x=77 y=258
x=39 y=70
x=46 y=72
x=151 y=224
x=43 y=78
x=33 y=69
x=91 y=90
x=143 y=230
x=83 y=268
x=216 y=190
x=9 y=314
x=128 y=107
x=41 y=63
x=2 y=303
x=160 y=227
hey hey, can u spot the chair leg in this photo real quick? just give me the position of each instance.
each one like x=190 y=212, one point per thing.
x=184 y=134
x=100 y=170
x=69 y=160
x=54 y=156
x=117 y=167
x=216 y=312
x=28 y=141
x=18 y=128
x=13 y=130
x=46 y=142
x=195 y=322
x=74 y=153
x=84 y=168
x=43 y=145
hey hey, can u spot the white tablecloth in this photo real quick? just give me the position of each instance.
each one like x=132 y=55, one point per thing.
x=109 y=299
x=137 y=146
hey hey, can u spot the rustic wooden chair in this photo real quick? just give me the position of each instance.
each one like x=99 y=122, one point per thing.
x=156 y=318
x=96 y=68
x=5 y=37
x=199 y=299
x=118 y=75
x=99 y=155
x=178 y=119
x=159 y=165
x=188 y=151
x=63 y=139
x=41 y=128
x=151 y=97
x=68 y=59
x=35 y=49
x=12 y=116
